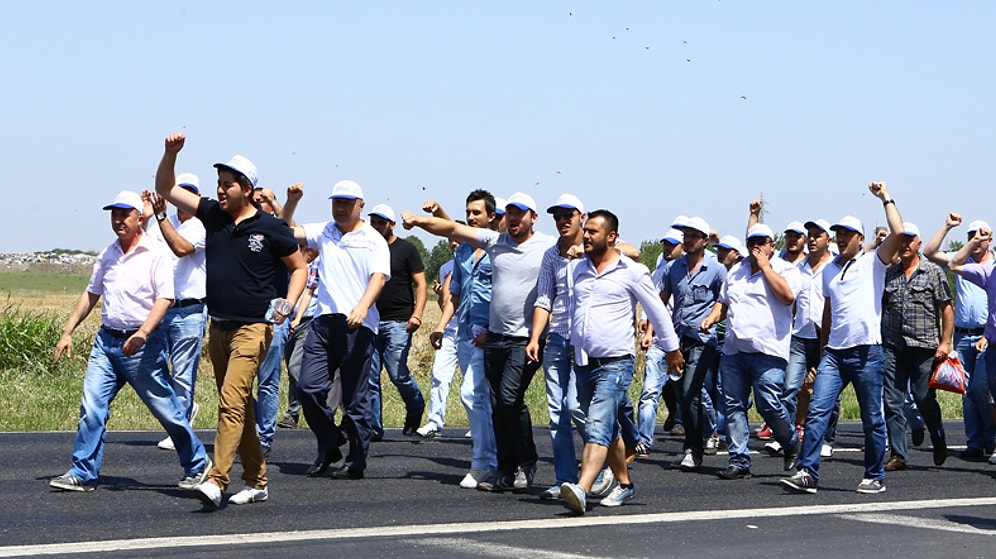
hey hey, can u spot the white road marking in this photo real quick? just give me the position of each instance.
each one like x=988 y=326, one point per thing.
x=425 y=530
x=920 y=523
x=488 y=549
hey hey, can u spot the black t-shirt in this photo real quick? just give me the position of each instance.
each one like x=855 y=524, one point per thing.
x=397 y=299
x=243 y=261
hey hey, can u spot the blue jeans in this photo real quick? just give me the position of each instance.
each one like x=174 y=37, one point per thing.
x=444 y=366
x=475 y=394
x=332 y=345
x=699 y=360
x=980 y=430
x=563 y=405
x=766 y=375
x=509 y=375
x=267 y=404
x=602 y=390
x=909 y=369
x=713 y=407
x=184 y=328
x=863 y=366
x=107 y=371
x=654 y=379
x=804 y=353
x=391 y=351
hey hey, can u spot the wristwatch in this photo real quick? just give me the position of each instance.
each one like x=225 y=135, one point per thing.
x=160 y=216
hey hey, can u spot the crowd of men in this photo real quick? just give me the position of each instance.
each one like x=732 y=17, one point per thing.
x=723 y=329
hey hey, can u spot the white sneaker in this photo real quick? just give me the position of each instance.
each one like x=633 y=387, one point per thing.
x=618 y=496
x=689 y=463
x=475 y=476
x=166 y=444
x=249 y=495
x=773 y=447
x=466 y=435
x=550 y=493
x=604 y=483
x=209 y=494
x=428 y=431
x=574 y=498
x=826 y=451
x=992 y=458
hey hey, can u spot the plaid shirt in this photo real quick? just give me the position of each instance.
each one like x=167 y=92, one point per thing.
x=910 y=316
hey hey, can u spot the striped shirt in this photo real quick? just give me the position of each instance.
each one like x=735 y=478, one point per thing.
x=553 y=291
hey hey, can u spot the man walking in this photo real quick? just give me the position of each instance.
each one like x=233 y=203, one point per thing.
x=606 y=289
x=134 y=275
x=243 y=246
x=400 y=307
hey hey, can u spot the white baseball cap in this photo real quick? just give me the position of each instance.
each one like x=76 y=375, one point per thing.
x=347 y=189
x=500 y=204
x=566 y=201
x=189 y=181
x=823 y=224
x=761 y=230
x=910 y=230
x=522 y=201
x=384 y=211
x=796 y=226
x=976 y=225
x=730 y=242
x=241 y=165
x=698 y=224
x=673 y=236
x=126 y=200
x=851 y=223
x=679 y=222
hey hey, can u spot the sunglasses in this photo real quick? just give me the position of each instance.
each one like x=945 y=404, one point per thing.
x=557 y=216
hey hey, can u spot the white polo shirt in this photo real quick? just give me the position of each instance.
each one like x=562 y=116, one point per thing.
x=854 y=290
x=189 y=272
x=131 y=283
x=809 y=300
x=348 y=261
x=756 y=321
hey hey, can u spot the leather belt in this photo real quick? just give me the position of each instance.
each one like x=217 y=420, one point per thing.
x=188 y=302
x=970 y=331
x=114 y=332
x=595 y=362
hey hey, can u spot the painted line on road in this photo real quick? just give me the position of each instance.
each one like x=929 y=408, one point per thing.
x=489 y=549
x=424 y=530
x=919 y=523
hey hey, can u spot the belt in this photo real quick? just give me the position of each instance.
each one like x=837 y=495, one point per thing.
x=114 y=332
x=188 y=302
x=505 y=338
x=970 y=331
x=603 y=361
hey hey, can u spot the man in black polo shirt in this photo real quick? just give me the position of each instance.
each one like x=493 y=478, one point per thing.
x=243 y=248
x=400 y=310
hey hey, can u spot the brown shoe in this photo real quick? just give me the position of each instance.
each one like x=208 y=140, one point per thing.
x=895 y=464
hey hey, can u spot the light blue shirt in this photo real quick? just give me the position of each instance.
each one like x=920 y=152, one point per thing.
x=971 y=304
x=694 y=296
x=472 y=283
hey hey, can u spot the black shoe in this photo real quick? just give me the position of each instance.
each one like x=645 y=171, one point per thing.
x=792 y=455
x=972 y=454
x=917 y=436
x=940 y=453
x=734 y=472
x=323 y=461
x=497 y=484
x=412 y=422
x=669 y=424
x=346 y=472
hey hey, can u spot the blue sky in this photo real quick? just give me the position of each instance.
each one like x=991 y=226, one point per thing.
x=634 y=106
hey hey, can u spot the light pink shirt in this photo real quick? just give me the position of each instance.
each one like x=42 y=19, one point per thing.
x=131 y=283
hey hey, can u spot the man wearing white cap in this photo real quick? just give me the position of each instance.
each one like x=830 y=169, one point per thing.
x=551 y=314
x=970 y=314
x=852 y=335
x=400 y=307
x=516 y=256
x=242 y=247
x=134 y=275
x=694 y=280
x=186 y=319
x=917 y=324
x=730 y=251
x=655 y=380
x=795 y=234
x=756 y=301
x=356 y=263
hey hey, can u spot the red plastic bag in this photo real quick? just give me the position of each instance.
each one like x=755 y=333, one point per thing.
x=949 y=375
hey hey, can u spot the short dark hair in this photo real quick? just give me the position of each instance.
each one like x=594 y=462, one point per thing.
x=608 y=216
x=481 y=194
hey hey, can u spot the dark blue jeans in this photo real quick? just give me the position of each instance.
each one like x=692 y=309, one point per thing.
x=700 y=359
x=509 y=375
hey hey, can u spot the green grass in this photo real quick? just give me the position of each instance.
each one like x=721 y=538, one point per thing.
x=26 y=283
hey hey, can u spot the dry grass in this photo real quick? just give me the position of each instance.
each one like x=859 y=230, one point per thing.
x=50 y=400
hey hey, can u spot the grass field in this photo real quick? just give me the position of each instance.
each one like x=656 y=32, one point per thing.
x=36 y=395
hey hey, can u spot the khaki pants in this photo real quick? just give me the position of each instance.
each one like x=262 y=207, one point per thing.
x=236 y=355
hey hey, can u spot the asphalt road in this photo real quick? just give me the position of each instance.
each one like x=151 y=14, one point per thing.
x=409 y=505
